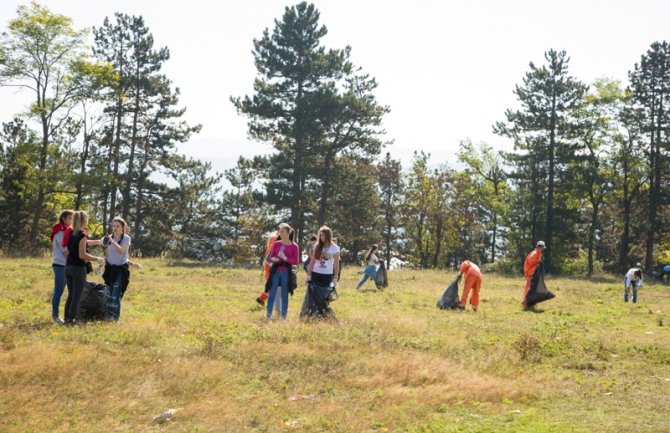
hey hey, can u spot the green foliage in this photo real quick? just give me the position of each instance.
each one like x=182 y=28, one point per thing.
x=541 y=167
x=580 y=266
x=650 y=86
x=312 y=105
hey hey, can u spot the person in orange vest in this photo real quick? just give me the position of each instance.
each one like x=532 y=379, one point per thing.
x=532 y=262
x=473 y=281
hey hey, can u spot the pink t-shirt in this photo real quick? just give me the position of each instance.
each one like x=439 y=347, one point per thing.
x=292 y=252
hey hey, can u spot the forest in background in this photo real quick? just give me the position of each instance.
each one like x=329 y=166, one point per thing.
x=589 y=172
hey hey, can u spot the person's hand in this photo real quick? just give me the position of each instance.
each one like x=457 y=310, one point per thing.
x=308 y=279
x=137 y=265
x=275 y=260
x=101 y=261
x=282 y=255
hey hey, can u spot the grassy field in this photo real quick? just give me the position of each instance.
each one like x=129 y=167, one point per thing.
x=192 y=338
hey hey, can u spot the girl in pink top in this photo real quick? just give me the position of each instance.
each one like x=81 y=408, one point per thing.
x=284 y=254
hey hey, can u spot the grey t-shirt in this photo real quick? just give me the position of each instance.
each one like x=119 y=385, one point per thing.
x=116 y=258
x=58 y=249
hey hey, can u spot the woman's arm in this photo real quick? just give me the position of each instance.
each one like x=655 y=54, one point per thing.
x=336 y=266
x=86 y=256
x=294 y=257
x=93 y=243
x=310 y=268
x=119 y=249
x=272 y=257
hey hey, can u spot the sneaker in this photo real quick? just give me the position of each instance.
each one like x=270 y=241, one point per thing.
x=57 y=320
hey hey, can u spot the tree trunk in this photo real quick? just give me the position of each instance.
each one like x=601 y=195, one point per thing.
x=82 y=168
x=625 y=236
x=39 y=203
x=549 y=228
x=325 y=190
x=388 y=217
x=654 y=185
x=438 y=244
x=592 y=233
x=138 y=208
x=133 y=143
x=496 y=191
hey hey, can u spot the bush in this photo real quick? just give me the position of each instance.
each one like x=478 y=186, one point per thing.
x=505 y=266
x=579 y=266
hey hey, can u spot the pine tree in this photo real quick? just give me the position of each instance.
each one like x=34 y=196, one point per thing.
x=296 y=82
x=650 y=84
x=540 y=130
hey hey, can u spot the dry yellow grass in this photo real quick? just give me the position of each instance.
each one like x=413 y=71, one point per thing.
x=191 y=337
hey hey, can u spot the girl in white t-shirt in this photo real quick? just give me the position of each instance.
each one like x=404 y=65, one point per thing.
x=321 y=276
x=370 y=271
x=325 y=263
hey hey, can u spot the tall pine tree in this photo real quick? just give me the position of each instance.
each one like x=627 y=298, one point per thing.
x=541 y=131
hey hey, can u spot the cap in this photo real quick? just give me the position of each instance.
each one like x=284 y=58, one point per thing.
x=540 y=244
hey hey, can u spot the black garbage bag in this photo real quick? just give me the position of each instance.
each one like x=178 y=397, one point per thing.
x=93 y=303
x=316 y=303
x=450 y=298
x=381 y=279
x=538 y=290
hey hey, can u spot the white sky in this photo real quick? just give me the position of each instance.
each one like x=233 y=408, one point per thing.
x=446 y=69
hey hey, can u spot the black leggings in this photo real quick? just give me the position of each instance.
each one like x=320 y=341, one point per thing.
x=75 y=276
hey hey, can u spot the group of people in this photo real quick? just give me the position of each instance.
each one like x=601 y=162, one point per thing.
x=322 y=266
x=72 y=262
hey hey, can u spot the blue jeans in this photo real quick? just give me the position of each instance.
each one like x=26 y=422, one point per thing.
x=75 y=276
x=634 y=285
x=279 y=282
x=59 y=288
x=114 y=299
x=370 y=272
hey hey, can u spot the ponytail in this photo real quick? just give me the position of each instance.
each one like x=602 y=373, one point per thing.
x=78 y=220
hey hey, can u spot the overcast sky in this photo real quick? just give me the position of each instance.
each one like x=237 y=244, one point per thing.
x=446 y=69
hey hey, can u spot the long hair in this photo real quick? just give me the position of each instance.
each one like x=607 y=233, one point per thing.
x=78 y=220
x=319 y=247
x=372 y=249
x=66 y=213
x=291 y=232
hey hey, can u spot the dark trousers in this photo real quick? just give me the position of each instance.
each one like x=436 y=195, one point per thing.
x=75 y=277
